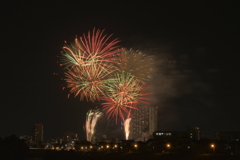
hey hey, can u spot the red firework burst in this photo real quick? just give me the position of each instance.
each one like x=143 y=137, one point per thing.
x=124 y=92
x=91 y=49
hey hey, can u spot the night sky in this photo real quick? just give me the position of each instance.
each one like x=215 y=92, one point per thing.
x=196 y=45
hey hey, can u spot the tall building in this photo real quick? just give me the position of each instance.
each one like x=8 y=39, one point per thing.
x=143 y=123
x=198 y=133
x=37 y=132
x=152 y=119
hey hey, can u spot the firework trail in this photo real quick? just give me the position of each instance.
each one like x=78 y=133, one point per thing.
x=124 y=92
x=95 y=119
x=127 y=127
x=91 y=121
x=89 y=117
x=135 y=62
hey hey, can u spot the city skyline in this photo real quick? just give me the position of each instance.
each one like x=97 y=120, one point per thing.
x=195 y=45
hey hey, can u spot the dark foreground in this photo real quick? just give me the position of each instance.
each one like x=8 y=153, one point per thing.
x=72 y=155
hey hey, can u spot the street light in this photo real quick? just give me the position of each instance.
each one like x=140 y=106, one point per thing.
x=213 y=147
x=135 y=146
x=168 y=146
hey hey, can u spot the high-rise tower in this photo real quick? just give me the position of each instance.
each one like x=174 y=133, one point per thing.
x=143 y=123
x=37 y=132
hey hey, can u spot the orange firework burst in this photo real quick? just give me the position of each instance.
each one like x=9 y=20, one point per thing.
x=135 y=62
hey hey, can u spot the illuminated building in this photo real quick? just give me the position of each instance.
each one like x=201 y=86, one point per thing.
x=143 y=124
x=37 y=132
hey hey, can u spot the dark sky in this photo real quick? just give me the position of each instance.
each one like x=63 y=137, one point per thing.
x=196 y=44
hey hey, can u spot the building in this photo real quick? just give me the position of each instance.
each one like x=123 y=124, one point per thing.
x=197 y=133
x=228 y=135
x=69 y=137
x=143 y=123
x=37 y=133
x=193 y=134
x=152 y=119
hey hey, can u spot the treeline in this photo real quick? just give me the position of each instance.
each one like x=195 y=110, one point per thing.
x=12 y=148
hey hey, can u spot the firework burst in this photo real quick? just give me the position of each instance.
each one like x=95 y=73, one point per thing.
x=137 y=63
x=88 y=82
x=124 y=92
x=91 y=49
x=96 y=70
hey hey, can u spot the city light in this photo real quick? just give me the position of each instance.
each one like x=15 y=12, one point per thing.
x=213 y=147
x=168 y=146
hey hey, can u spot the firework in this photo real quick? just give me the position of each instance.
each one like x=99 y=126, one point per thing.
x=95 y=119
x=91 y=49
x=96 y=70
x=88 y=82
x=124 y=92
x=89 y=117
x=127 y=127
x=137 y=63
x=91 y=121
x=88 y=63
